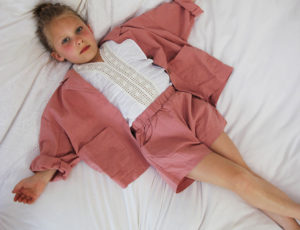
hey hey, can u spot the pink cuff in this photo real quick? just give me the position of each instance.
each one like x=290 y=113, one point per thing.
x=43 y=163
x=190 y=6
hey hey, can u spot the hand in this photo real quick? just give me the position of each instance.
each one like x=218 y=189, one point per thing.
x=29 y=189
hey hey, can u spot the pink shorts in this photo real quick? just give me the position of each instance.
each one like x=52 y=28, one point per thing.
x=175 y=133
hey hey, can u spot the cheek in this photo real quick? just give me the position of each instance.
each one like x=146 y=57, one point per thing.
x=88 y=34
x=68 y=49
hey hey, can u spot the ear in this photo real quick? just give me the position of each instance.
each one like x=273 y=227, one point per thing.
x=56 y=56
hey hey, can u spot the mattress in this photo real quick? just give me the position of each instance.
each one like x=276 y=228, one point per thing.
x=261 y=103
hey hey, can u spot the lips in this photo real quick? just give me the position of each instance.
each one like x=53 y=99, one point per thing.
x=84 y=49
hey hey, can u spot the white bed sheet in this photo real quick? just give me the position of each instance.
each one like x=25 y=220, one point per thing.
x=261 y=103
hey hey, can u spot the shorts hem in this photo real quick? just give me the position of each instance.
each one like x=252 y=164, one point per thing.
x=184 y=181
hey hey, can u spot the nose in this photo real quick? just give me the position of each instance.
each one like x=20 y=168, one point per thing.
x=78 y=41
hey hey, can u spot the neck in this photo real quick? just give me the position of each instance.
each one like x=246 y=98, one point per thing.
x=97 y=58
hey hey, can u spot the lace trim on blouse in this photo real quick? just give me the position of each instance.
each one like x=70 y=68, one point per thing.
x=132 y=82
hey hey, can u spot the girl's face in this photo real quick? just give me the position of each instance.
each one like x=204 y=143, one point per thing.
x=72 y=39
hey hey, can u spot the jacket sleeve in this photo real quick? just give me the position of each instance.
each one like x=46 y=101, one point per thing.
x=56 y=151
x=162 y=35
x=206 y=76
x=176 y=17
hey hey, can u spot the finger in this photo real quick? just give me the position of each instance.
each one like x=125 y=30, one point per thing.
x=17 y=188
x=28 y=200
x=17 y=196
x=19 y=199
x=30 y=193
x=22 y=198
x=31 y=201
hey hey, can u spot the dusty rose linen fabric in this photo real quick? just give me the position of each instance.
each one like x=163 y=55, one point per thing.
x=80 y=124
x=162 y=34
x=175 y=133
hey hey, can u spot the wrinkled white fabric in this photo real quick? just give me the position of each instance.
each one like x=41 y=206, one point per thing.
x=261 y=102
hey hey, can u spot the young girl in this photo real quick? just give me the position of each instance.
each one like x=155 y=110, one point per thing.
x=145 y=97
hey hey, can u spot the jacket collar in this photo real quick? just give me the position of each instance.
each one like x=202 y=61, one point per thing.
x=73 y=80
x=71 y=72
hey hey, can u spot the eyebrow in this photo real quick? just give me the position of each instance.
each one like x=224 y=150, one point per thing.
x=78 y=23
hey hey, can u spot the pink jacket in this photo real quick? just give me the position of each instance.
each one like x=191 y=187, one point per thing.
x=80 y=124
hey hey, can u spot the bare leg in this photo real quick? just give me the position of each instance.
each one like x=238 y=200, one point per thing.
x=225 y=147
x=220 y=171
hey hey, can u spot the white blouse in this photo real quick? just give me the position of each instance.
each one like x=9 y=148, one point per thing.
x=126 y=78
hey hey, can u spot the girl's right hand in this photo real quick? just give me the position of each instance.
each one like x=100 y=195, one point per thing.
x=29 y=189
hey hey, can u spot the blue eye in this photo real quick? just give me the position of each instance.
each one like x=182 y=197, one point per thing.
x=79 y=29
x=65 y=40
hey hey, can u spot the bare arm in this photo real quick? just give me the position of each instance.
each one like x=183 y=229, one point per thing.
x=29 y=189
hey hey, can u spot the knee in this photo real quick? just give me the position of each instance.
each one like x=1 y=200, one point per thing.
x=243 y=182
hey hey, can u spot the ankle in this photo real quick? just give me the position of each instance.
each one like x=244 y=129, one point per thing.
x=291 y=225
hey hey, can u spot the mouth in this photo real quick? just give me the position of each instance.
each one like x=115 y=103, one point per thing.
x=84 y=49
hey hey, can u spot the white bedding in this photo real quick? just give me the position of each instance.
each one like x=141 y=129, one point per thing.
x=261 y=103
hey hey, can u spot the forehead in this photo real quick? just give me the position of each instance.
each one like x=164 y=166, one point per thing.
x=64 y=21
x=61 y=25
